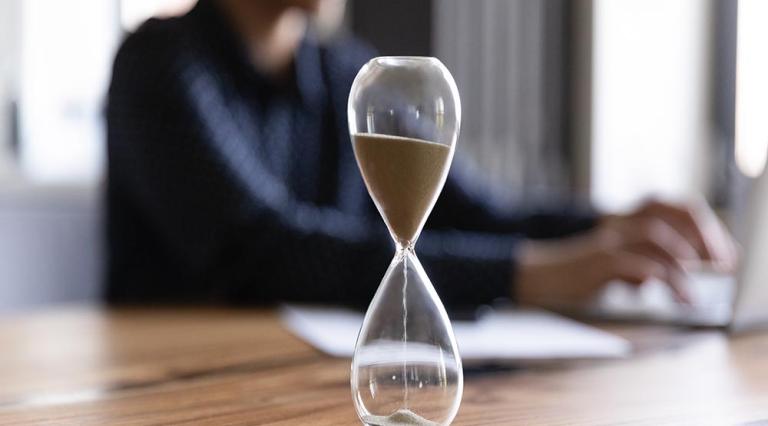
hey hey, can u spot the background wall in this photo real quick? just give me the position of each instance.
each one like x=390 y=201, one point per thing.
x=10 y=31
x=51 y=246
x=608 y=99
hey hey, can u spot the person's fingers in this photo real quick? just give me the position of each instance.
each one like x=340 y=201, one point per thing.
x=659 y=251
x=676 y=281
x=719 y=241
x=701 y=228
x=670 y=273
x=661 y=239
x=682 y=218
x=637 y=268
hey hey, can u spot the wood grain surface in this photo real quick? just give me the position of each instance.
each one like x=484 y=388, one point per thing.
x=90 y=366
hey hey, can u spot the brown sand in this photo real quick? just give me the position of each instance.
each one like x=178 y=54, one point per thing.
x=404 y=177
x=401 y=417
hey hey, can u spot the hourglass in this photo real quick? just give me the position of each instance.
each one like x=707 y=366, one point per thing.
x=404 y=116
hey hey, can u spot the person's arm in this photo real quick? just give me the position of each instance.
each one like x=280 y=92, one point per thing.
x=462 y=206
x=180 y=156
x=656 y=241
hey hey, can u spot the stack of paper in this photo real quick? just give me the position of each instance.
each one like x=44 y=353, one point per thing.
x=498 y=336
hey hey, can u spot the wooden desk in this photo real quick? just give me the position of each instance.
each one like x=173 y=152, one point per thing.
x=93 y=366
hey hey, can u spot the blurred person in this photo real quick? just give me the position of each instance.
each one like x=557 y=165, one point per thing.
x=232 y=179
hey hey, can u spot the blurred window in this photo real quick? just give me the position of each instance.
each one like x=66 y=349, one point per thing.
x=66 y=52
x=752 y=87
x=67 y=48
x=651 y=121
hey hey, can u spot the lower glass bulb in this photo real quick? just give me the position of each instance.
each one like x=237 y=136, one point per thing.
x=406 y=369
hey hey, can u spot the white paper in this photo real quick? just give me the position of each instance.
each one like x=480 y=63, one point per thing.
x=496 y=336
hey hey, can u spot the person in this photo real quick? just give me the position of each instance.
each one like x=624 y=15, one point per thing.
x=232 y=179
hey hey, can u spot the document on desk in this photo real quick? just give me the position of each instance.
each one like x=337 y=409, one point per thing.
x=498 y=336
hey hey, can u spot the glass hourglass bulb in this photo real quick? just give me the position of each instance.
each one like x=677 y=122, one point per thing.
x=404 y=116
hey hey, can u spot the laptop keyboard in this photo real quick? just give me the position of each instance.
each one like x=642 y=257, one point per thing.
x=711 y=300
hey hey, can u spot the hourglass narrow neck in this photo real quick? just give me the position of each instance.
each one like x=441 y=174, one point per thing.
x=404 y=249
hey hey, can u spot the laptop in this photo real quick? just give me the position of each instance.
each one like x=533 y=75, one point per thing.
x=738 y=302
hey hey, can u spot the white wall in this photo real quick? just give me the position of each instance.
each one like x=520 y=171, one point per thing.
x=51 y=246
x=650 y=125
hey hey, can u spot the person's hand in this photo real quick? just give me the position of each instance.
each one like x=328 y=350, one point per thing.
x=658 y=240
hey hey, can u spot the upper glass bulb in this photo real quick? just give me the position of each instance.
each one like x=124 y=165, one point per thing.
x=404 y=117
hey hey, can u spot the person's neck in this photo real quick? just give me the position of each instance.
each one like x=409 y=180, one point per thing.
x=272 y=32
